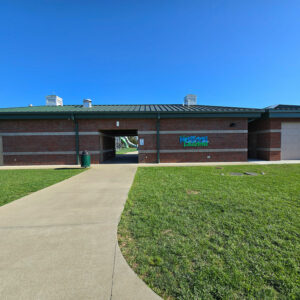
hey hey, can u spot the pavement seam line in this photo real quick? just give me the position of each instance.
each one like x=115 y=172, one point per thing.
x=113 y=271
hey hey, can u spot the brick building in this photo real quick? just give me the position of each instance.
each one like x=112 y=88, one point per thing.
x=56 y=134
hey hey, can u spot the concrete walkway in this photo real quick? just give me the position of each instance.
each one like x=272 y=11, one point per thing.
x=61 y=242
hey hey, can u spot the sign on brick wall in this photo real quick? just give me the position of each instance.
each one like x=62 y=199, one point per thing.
x=194 y=141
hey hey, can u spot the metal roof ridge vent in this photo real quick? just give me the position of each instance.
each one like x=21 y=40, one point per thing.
x=87 y=103
x=53 y=100
x=190 y=99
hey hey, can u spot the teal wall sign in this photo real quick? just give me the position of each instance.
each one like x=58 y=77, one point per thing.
x=194 y=141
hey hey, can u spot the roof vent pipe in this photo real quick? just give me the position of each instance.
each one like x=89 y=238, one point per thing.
x=190 y=100
x=87 y=103
x=53 y=100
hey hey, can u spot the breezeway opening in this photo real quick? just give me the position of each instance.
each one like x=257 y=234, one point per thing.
x=109 y=144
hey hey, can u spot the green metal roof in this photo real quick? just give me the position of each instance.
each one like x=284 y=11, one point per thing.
x=164 y=108
x=146 y=111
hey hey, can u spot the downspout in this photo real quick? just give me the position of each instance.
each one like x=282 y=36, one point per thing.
x=157 y=138
x=76 y=139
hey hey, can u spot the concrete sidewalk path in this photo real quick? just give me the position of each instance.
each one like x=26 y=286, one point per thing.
x=61 y=242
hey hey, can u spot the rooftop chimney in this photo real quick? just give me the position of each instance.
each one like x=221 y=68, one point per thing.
x=87 y=103
x=190 y=100
x=53 y=100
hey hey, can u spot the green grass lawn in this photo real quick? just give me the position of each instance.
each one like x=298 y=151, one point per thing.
x=200 y=233
x=15 y=184
x=125 y=150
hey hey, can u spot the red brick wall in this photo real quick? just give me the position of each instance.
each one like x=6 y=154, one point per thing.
x=110 y=124
x=20 y=160
x=59 y=143
x=36 y=125
x=91 y=142
x=203 y=157
x=217 y=141
x=147 y=158
x=203 y=124
x=267 y=140
x=38 y=143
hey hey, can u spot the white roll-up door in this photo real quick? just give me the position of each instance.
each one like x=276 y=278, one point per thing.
x=290 y=140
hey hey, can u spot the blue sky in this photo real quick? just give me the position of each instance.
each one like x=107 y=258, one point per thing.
x=235 y=53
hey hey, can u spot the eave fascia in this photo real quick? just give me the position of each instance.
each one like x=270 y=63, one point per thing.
x=125 y=115
x=272 y=114
x=35 y=116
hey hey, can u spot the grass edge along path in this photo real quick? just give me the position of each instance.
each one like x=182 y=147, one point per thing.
x=15 y=184
x=200 y=233
x=126 y=150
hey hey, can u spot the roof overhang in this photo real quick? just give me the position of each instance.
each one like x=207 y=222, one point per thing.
x=274 y=113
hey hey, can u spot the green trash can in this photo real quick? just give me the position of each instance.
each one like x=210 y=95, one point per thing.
x=85 y=159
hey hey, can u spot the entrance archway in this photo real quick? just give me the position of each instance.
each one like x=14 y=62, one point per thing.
x=109 y=148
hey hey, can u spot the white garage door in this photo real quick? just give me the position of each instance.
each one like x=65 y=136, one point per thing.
x=290 y=141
